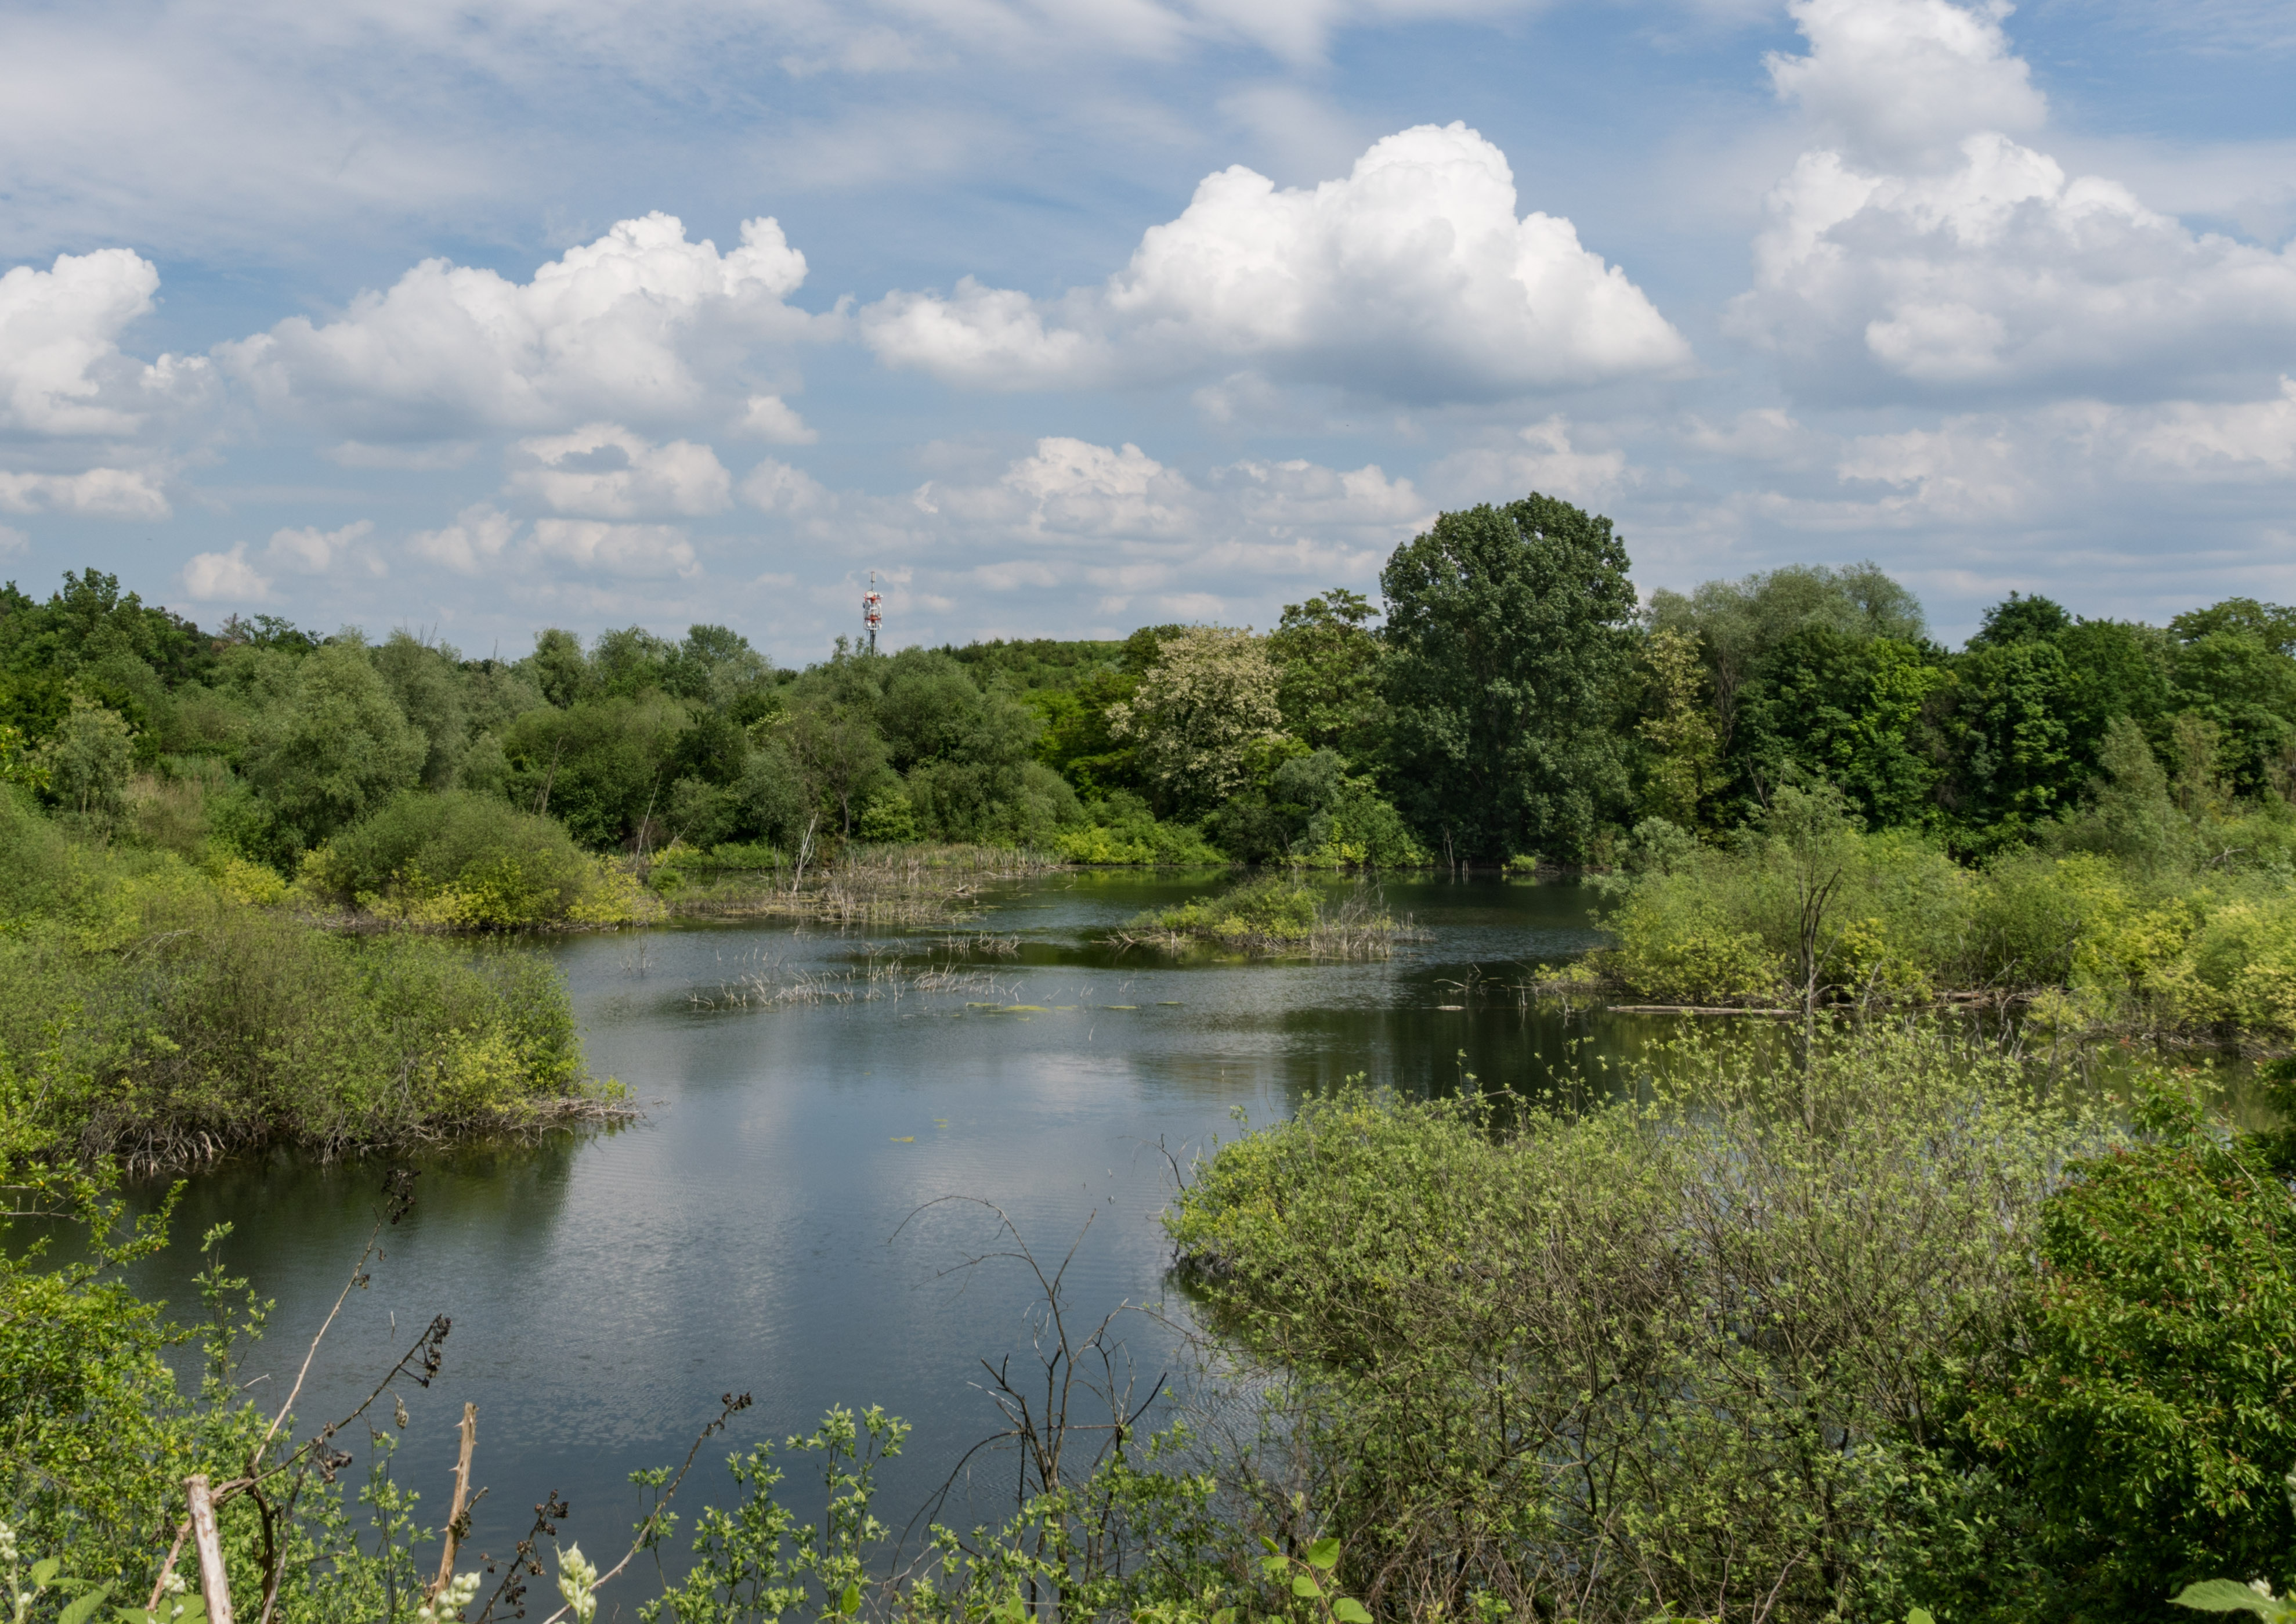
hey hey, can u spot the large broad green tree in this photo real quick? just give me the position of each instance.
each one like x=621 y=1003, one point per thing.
x=1509 y=632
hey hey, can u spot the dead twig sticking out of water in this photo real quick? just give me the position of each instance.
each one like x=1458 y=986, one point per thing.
x=1082 y=1370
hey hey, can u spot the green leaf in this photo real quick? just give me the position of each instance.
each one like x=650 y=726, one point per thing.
x=1347 y=1610
x=1323 y=1553
x=2226 y=1595
x=44 y=1572
x=1272 y=1548
x=83 y=1608
x=850 y=1603
x=1920 y=1615
x=1305 y=1583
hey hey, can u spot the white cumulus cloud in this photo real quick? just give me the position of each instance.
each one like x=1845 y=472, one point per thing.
x=635 y=324
x=1950 y=257
x=1542 y=458
x=1412 y=277
x=776 y=421
x=312 y=551
x=98 y=493
x=1072 y=520
x=616 y=549
x=475 y=539
x=606 y=471
x=774 y=486
x=224 y=577
x=1899 y=81
x=61 y=369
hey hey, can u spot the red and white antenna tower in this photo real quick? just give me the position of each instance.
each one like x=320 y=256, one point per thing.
x=873 y=610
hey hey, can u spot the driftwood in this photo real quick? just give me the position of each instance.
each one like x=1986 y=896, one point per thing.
x=1691 y=1008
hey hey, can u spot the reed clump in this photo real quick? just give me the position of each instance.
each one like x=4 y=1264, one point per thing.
x=764 y=981
x=905 y=887
x=1274 y=917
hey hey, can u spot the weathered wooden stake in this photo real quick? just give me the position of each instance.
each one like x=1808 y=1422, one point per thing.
x=462 y=1496
x=215 y=1585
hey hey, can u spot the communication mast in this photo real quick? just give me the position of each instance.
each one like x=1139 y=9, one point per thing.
x=872 y=611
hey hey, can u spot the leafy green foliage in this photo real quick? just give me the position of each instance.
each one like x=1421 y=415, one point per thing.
x=1508 y=628
x=2147 y=1419
x=1121 y=831
x=158 y=1016
x=1641 y=1359
x=338 y=748
x=1330 y=675
x=457 y=858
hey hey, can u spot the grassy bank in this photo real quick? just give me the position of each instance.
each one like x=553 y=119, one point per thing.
x=165 y=1014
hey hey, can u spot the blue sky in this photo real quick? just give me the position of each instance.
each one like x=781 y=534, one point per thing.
x=1073 y=315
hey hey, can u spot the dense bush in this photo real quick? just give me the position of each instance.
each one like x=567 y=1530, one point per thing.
x=1670 y=1359
x=460 y=859
x=2120 y=922
x=1123 y=832
x=2137 y=1432
x=157 y=1015
x=1275 y=909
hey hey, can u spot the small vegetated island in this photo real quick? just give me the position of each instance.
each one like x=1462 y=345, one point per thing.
x=1849 y=1318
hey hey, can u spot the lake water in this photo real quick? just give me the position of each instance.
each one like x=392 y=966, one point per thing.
x=606 y=1290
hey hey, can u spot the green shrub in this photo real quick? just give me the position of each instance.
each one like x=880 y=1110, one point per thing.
x=1361 y=828
x=335 y=751
x=1662 y=1359
x=153 y=1014
x=2103 y=940
x=2143 y=1423
x=454 y=858
x=1008 y=804
x=1274 y=907
x=1123 y=832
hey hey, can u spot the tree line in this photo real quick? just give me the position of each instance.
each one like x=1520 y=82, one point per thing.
x=1509 y=700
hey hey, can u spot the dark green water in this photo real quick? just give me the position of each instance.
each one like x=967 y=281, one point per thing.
x=604 y=1292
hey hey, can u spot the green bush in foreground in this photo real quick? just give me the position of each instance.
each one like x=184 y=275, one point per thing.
x=1676 y=1359
x=1883 y=1335
x=1763 y=1340
x=2145 y=1426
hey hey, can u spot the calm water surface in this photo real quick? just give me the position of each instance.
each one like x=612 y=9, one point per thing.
x=605 y=1292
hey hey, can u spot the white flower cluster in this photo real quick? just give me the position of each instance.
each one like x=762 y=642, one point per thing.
x=577 y=1580
x=452 y=1597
